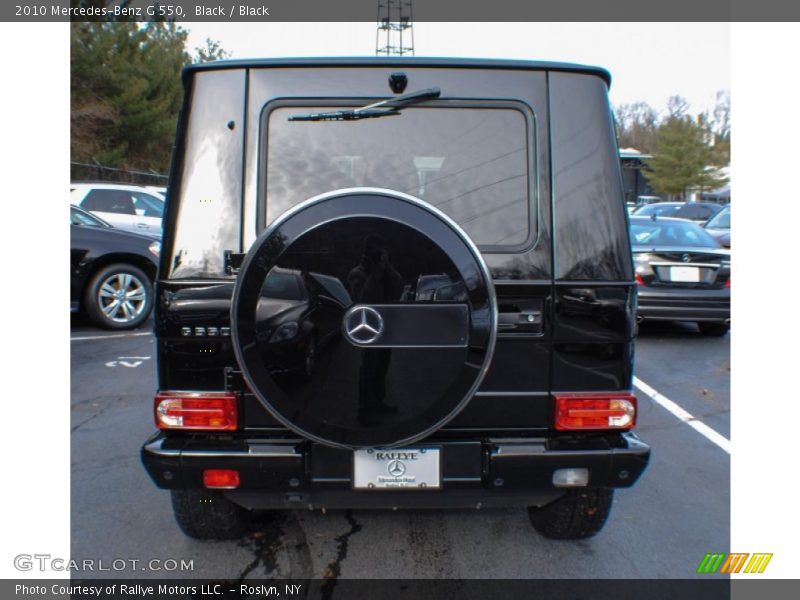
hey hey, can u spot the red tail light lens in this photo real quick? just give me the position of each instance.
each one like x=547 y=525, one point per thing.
x=221 y=479
x=639 y=279
x=591 y=410
x=209 y=411
x=728 y=283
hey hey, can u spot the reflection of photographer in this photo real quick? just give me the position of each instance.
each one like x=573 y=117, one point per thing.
x=374 y=280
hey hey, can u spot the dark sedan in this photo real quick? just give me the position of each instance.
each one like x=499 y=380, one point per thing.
x=112 y=272
x=682 y=272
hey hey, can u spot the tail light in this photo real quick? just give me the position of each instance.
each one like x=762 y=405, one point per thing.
x=639 y=279
x=728 y=283
x=208 y=411
x=221 y=479
x=595 y=410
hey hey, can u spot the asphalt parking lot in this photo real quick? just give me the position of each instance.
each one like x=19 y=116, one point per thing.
x=661 y=528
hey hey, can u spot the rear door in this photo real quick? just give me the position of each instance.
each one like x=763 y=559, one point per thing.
x=479 y=154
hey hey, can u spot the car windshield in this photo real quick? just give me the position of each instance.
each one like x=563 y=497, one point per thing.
x=664 y=234
x=722 y=220
x=660 y=210
x=78 y=217
x=471 y=163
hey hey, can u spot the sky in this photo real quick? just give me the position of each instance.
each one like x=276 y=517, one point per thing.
x=647 y=61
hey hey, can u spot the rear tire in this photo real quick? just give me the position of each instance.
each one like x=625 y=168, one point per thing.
x=208 y=516
x=578 y=514
x=713 y=329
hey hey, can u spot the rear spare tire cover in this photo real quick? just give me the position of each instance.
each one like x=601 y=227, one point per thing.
x=364 y=318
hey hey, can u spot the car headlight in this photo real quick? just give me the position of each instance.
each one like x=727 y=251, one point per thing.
x=155 y=249
x=285 y=332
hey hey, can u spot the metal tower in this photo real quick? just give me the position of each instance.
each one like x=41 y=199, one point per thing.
x=395 y=28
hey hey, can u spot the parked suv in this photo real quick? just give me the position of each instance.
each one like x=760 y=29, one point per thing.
x=431 y=307
x=129 y=207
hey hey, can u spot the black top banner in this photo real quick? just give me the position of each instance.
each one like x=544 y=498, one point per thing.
x=420 y=11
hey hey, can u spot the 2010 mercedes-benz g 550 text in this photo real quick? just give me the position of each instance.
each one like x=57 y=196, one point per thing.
x=395 y=283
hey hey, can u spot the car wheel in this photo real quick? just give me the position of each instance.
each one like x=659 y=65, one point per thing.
x=207 y=516
x=578 y=514
x=713 y=329
x=119 y=296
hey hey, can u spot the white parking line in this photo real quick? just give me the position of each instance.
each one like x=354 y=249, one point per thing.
x=703 y=429
x=108 y=337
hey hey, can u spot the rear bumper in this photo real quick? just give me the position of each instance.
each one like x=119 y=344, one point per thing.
x=684 y=305
x=277 y=473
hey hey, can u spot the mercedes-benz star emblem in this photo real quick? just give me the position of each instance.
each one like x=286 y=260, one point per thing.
x=396 y=468
x=686 y=258
x=363 y=325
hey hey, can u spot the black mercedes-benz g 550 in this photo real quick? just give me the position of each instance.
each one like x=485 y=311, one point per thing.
x=395 y=283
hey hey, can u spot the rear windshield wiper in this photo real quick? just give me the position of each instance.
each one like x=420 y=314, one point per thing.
x=384 y=108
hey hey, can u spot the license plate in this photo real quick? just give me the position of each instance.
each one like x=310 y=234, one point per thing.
x=396 y=468
x=687 y=274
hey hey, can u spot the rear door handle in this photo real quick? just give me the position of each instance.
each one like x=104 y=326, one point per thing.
x=524 y=321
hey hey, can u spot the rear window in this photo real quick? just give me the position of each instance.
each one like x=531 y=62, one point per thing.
x=670 y=233
x=693 y=211
x=474 y=164
x=661 y=210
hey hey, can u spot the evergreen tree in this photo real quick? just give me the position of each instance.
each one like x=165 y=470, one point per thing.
x=126 y=91
x=684 y=157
